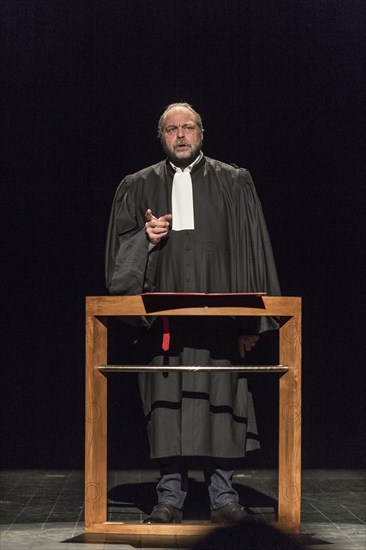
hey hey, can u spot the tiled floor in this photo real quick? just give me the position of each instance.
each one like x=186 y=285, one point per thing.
x=43 y=510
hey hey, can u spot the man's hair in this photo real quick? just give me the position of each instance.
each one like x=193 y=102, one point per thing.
x=178 y=105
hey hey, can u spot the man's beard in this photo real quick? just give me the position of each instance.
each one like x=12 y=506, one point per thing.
x=183 y=162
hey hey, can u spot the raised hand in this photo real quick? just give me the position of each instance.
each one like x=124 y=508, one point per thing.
x=156 y=228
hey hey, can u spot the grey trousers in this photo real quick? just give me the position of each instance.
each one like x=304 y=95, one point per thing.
x=172 y=487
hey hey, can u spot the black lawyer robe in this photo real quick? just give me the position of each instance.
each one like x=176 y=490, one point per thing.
x=206 y=414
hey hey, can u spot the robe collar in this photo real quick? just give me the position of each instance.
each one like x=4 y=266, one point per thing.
x=196 y=164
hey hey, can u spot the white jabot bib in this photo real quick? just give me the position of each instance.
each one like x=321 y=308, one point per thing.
x=182 y=202
x=182 y=198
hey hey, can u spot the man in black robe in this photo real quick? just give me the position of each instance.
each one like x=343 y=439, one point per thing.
x=193 y=224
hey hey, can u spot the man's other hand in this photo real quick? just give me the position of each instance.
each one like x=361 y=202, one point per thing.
x=246 y=343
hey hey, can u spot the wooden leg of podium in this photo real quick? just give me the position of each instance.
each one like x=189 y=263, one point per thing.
x=95 y=423
x=289 y=474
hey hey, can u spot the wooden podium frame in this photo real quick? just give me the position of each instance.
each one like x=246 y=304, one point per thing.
x=99 y=308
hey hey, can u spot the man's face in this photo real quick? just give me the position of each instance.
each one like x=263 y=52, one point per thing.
x=182 y=137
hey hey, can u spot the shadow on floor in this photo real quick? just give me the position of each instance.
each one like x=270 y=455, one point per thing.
x=134 y=541
x=167 y=541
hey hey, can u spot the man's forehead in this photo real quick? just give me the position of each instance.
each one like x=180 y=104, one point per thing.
x=179 y=112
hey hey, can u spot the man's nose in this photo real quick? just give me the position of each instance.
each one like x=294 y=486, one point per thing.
x=180 y=132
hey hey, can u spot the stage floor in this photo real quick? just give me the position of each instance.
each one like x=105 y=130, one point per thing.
x=43 y=510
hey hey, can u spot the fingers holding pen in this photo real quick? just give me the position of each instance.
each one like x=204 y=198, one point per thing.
x=156 y=228
x=149 y=215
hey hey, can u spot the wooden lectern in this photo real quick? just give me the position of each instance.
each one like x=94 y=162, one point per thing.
x=99 y=308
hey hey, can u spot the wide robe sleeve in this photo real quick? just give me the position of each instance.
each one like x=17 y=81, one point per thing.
x=256 y=270
x=128 y=261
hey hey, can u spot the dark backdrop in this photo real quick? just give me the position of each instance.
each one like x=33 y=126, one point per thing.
x=280 y=86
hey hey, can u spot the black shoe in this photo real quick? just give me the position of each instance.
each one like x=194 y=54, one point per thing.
x=164 y=513
x=230 y=513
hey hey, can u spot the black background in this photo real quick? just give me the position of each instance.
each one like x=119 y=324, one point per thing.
x=280 y=87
